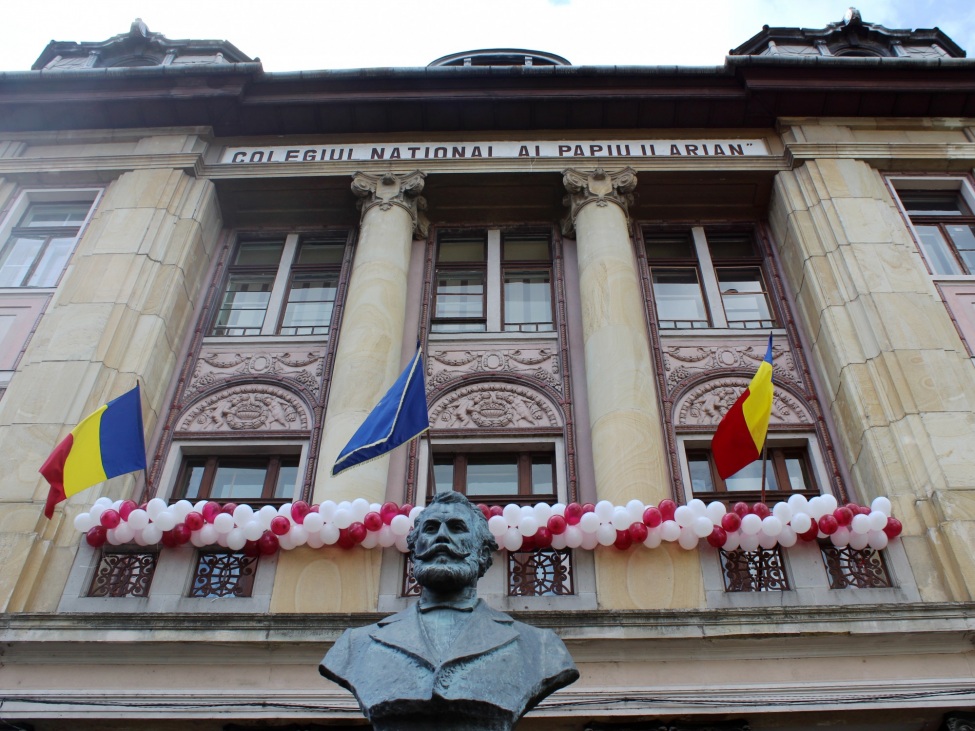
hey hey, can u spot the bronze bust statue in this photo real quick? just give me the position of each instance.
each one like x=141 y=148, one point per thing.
x=450 y=661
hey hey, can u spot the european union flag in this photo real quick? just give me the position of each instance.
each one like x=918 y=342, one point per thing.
x=397 y=418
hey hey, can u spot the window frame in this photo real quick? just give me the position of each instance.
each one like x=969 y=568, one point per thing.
x=271 y=463
x=525 y=494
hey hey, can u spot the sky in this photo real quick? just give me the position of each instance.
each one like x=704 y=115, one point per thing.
x=291 y=35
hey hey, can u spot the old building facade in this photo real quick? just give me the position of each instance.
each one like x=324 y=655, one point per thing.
x=592 y=260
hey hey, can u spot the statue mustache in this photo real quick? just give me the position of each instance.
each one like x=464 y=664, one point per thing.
x=442 y=549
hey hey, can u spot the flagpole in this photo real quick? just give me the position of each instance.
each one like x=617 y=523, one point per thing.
x=764 y=461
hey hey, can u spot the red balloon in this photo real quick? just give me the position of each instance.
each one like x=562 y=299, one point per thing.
x=110 y=519
x=373 y=521
x=718 y=536
x=844 y=516
x=741 y=509
x=667 y=508
x=210 y=511
x=812 y=534
x=280 y=525
x=652 y=517
x=761 y=510
x=313 y=508
x=267 y=544
x=528 y=543
x=588 y=508
x=496 y=510
x=126 y=507
x=388 y=511
x=730 y=522
x=228 y=508
x=639 y=532
x=251 y=549
x=406 y=509
x=168 y=539
x=299 y=509
x=96 y=536
x=357 y=531
x=828 y=525
x=573 y=513
x=623 y=540
x=345 y=540
x=893 y=528
x=557 y=524
x=194 y=521
x=543 y=537
x=182 y=534
x=485 y=510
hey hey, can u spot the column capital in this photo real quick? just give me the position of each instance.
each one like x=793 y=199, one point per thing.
x=393 y=189
x=596 y=186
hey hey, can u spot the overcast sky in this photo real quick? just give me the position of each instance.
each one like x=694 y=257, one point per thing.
x=291 y=35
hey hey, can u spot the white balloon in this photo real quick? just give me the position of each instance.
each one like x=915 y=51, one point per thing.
x=859 y=541
x=766 y=541
x=787 y=538
x=370 y=541
x=881 y=505
x=604 y=510
x=698 y=507
x=589 y=541
x=497 y=525
x=573 y=536
x=512 y=515
x=243 y=514
x=415 y=513
x=182 y=508
x=653 y=538
x=327 y=510
x=313 y=522
x=360 y=506
x=401 y=544
x=878 y=521
x=386 y=537
x=83 y=522
x=702 y=526
x=343 y=518
x=200 y=504
x=716 y=511
x=124 y=533
x=830 y=503
x=558 y=542
x=151 y=534
x=104 y=502
x=751 y=524
x=621 y=519
x=512 y=539
x=669 y=530
x=798 y=503
x=330 y=535
x=527 y=511
x=800 y=522
x=138 y=519
x=400 y=525
x=235 y=539
x=208 y=534
x=154 y=507
x=684 y=516
x=166 y=520
x=589 y=523
x=783 y=512
x=860 y=524
x=266 y=514
x=253 y=530
x=315 y=540
x=732 y=541
x=877 y=540
x=817 y=509
x=111 y=537
x=196 y=538
x=771 y=526
x=285 y=511
x=841 y=537
x=635 y=508
x=558 y=509
x=748 y=541
x=224 y=523
x=375 y=507
x=299 y=535
x=606 y=535
x=95 y=513
x=542 y=513
x=528 y=526
x=687 y=539
x=286 y=542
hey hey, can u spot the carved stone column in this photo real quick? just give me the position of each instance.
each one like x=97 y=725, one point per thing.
x=369 y=351
x=629 y=454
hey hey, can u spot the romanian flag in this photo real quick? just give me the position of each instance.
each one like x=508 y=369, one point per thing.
x=741 y=434
x=105 y=444
x=398 y=417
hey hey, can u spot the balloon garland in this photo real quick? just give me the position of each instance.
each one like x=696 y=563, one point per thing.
x=268 y=529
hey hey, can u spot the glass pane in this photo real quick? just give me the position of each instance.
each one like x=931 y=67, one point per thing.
x=238 y=482
x=542 y=471
x=320 y=252
x=461 y=250
x=195 y=478
x=731 y=246
x=670 y=246
x=963 y=237
x=309 y=307
x=244 y=306
x=52 y=262
x=750 y=478
x=700 y=472
x=526 y=250
x=936 y=250
x=527 y=301
x=287 y=480
x=742 y=292
x=934 y=203
x=460 y=294
x=492 y=475
x=259 y=253
x=17 y=259
x=443 y=473
x=798 y=475
x=46 y=215
x=678 y=297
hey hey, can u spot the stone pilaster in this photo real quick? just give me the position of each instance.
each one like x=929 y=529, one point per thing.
x=628 y=446
x=371 y=337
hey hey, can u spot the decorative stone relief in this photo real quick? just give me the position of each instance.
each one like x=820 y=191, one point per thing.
x=388 y=190
x=706 y=404
x=540 y=363
x=214 y=366
x=493 y=406
x=596 y=186
x=248 y=408
x=682 y=362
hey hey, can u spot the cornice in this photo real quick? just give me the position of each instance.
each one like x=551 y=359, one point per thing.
x=189 y=161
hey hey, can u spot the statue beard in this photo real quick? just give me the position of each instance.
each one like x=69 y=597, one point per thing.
x=459 y=573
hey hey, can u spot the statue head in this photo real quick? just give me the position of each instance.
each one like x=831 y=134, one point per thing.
x=450 y=544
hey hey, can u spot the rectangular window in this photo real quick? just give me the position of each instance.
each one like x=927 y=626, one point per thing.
x=41 y=242
x=787 y=471
x=704 y=278
x=281 y=286
x=264 y=480
x=504 y=477
x=493 y=282
x=945 y=227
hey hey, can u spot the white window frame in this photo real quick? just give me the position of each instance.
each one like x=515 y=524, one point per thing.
x=949 y=183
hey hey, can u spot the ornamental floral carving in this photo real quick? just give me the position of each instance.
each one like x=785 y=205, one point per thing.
x=493 y=406
x=250 y=408
x=706 y=404
x=682 y=362
x=214 y=366
x=388 y=190
x=598 y=187
x=539 y=363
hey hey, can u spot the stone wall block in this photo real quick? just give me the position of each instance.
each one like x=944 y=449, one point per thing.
x=667 y=577
x=71 y=333
x=913 y=321
x=953 y=440
x=937 y=580
x=123 y=231
x=29 y=446
x=310 y=581
x=16 y=550
x=152 y=189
